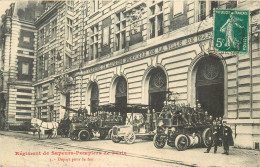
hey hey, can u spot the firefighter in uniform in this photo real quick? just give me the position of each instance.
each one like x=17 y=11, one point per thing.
x=227 y=138
x=215 y=137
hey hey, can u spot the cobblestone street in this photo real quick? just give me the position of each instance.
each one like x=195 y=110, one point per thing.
x=131 y=155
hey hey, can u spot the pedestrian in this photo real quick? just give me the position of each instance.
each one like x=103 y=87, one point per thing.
x=214 y=137
x=227 y=138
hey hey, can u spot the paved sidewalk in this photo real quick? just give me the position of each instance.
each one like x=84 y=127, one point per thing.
x=192 y=156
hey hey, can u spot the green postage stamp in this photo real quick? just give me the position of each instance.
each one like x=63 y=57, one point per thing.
x=231 y=30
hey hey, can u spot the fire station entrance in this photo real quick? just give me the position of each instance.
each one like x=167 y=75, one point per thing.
x=94 y=100
x=157 y=89
x=210 y=86
x=121 y=95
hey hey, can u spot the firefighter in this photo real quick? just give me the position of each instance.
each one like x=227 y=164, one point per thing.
x=215 y=137
x=227 y=138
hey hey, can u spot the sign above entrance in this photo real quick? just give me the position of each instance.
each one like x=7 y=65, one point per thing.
x=231 y=30
x=173 y=45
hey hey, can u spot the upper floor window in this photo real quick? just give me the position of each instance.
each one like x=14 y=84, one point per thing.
x=53 y=29
x=70 y=6
x=41 y=37
x=69 y=33
x=156 y=20
x=231 y=4
x=213 y=5
x=94 y=6
x=93 y=47
x=25 y=68
x=202 y=10
x=120 y=38
x=26 y=39
x=178 y=7
x=52 y=61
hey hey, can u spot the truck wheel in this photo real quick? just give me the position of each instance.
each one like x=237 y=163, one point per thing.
x=206 y=136
x=158 y=142
x=181 y=142
x=115 y=139
x=73 y=136
x=84 y=135
x=130 y=138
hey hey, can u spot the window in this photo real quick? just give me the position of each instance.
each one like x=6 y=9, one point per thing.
x=68 y=61
x=26 y=39
x=70 y=6
x=202 y=14
x=53 y=29
x=52 y=62
x=25 y=68
x=231 y=4
x=46 y=65
x=120 y=31
x=41 y=37
x=94 y=5
x=40 y=67
x=93 y=48
x=51 y=89
x=69 y=33
x=177 y=7
x=214 y=5
x=156 y=20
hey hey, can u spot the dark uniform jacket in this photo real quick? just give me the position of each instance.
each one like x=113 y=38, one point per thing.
x=215 y=134
x=227 y=135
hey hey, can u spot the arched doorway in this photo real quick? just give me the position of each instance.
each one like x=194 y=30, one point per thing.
x=157 y=89
x=210 y=85
x=94 y=98
x=121 y=96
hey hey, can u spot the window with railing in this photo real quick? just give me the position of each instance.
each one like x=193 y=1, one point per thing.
x=120 y=39
x=156 y=19
x=93 y=47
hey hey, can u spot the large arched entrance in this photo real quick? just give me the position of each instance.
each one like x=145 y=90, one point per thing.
x=121 y=95
x=94 y=98
x=157 y=89
x=210 y=85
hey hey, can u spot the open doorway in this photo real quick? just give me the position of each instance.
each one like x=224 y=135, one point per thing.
x=210 y=86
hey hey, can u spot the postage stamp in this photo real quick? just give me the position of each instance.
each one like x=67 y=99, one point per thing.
x=231 y=30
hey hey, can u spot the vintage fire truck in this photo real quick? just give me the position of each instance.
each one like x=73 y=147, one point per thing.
x=171 y=129
x=138 y=125
x=98 y=124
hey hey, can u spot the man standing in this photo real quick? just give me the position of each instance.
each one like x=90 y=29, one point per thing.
x=227 y=138
x=215 y=137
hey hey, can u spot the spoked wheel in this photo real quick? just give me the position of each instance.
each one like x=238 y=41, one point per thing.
x=206 y=136
x=115 y=138
x=130 y=138
x=158 y=141
x=181 y=142
x=84 y=135
x=73 y=136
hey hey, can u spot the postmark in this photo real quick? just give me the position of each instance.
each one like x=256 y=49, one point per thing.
x=231 y=30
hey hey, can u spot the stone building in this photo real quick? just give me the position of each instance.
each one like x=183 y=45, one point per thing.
x=96 y=52
x=17 y=62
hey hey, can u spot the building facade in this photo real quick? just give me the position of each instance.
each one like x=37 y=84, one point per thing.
x=89 y=53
